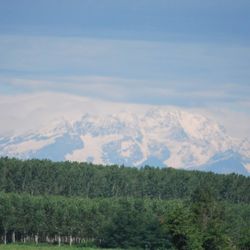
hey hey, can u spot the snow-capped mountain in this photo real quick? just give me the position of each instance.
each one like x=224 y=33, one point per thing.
x=158 y=137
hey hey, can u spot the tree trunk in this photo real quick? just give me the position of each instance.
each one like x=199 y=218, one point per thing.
x=24 y=238
x=5 y=237
x=47 y=239
x=59 y=240
x=70 y=240
x=36 y=239
x=13 y=237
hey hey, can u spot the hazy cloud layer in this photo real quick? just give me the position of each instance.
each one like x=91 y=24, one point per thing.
x=25 y=112
x=136 y=91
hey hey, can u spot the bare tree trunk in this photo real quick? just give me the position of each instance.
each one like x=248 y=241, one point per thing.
x=36 y=239
x=47 y=239
x=70 y=240
x=5 y=237
x=59 y=240
x=13 y=237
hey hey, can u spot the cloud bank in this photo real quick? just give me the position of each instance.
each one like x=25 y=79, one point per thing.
x=25 y=112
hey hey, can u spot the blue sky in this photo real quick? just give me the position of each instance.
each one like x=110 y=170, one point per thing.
x=192 y=54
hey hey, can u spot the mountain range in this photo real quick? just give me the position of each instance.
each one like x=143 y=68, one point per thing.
x=158 y=137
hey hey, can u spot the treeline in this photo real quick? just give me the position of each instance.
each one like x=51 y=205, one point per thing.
x=43 y=177
x=114 y=206
x=199 y=223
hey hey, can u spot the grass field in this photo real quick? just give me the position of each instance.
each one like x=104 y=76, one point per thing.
x=42 y=247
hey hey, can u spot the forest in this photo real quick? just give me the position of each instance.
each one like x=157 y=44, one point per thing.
x=70 y=203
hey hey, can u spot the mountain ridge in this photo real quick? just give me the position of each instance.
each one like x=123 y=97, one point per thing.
x=158 y=137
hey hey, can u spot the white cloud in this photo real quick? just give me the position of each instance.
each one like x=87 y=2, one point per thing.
x=237 y=123
x=133 y=90
x=23 y=112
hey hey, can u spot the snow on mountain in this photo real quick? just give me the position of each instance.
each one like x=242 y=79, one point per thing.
x=244 y=147
x=158 y=136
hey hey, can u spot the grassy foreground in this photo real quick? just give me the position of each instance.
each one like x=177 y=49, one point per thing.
x=43 y=247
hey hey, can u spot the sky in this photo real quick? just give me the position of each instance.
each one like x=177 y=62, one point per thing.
x=190 y=54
